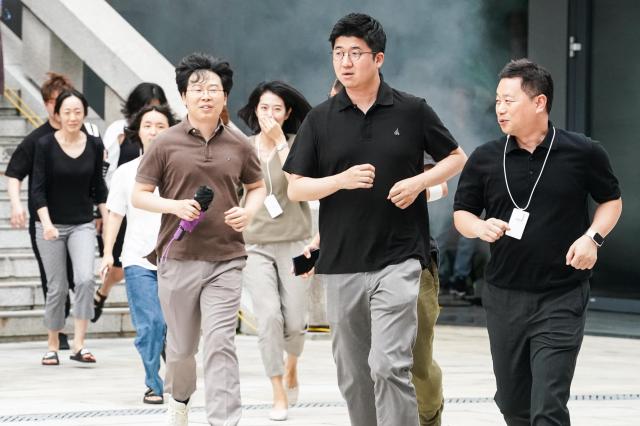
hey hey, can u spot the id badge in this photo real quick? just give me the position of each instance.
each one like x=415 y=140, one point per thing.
x=272 y=205
x=517 y=223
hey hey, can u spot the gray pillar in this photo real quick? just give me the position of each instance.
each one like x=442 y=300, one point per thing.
x=112 y=106
x=43 y=51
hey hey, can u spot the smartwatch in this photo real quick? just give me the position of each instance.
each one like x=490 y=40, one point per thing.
x=597 y=239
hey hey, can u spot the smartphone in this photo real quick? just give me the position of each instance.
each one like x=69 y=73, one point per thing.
x=301 y=264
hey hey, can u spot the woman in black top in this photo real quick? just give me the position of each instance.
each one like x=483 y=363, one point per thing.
x=67 y=182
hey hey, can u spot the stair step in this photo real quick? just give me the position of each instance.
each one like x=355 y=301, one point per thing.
x=14 y=126
x=8 y=111
x=4 y=103
x=28 y=324
x=8 y=145
x=14 y=237
x=4 y=196
x=27 y=295
x=20 y=263
x=10 y=140
x=5 y=203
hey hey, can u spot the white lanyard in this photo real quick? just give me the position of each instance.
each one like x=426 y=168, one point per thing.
x=504 y=168
x=269 y=158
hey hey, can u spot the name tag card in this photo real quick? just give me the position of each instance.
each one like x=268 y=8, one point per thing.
x=272 y=205
x=517 y=223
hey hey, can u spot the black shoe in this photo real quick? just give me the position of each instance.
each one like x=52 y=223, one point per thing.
x=460 y=286
x=98 y=304
x=64 y=342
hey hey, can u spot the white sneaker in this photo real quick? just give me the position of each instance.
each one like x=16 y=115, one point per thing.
x=178 y=413
x=279 y=414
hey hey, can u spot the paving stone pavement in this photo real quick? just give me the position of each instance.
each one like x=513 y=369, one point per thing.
x=606 y=390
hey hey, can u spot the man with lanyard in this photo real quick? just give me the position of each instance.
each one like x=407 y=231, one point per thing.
x=533 y=187
x=200 y=273
x=361 y=154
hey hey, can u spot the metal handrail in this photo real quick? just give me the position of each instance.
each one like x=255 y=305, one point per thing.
x=24 y=109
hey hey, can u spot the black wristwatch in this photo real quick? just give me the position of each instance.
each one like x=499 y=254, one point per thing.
x=595 y=237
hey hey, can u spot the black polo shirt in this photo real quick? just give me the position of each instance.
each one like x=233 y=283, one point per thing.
x=577 y=167
x=360 y=229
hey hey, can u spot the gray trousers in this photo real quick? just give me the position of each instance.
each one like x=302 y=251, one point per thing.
x=279 y=301
x=373 y=321
x=80 y=242
x=194 y=296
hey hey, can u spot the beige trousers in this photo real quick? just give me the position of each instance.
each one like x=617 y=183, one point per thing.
x=195 y=296
x=279 y=301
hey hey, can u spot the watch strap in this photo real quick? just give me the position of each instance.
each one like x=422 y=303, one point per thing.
x=597 y=239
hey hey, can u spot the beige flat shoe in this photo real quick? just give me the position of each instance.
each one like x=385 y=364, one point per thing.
x=279 y=414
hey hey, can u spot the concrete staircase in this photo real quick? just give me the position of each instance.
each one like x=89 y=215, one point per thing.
x=21 y=298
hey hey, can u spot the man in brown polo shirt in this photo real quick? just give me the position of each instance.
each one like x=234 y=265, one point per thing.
x=200 y=276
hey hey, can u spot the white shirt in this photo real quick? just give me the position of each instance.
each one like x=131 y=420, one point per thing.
x=142 y=226
x=111 y=145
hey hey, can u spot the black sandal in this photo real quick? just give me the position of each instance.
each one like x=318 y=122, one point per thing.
x=83 y=355
x=150 y=397
x=51 y=356
x=98 y=304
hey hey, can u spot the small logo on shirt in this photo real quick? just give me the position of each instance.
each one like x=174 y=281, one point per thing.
x=397 y=132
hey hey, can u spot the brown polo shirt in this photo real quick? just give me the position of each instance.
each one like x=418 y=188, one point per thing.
x=178 y=162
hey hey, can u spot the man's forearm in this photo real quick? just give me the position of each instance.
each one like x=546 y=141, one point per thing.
x=466 y=222
x=445 y=169
x=308 y=189
x=146 y=200
x=606 y=216
x=254 y=199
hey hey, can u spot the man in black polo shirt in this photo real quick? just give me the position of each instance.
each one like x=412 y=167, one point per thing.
x=533 y=187
x=361 y=154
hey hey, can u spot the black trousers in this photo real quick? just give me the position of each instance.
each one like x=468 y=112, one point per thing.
x=535 y=338
x=43 y=275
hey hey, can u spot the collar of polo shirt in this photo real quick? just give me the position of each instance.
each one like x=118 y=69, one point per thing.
x=513 y=145
x=384 y=97
x=191 y=130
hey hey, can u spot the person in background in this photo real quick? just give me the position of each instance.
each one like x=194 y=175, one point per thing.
x=120 y=150
x=21 y=166
x=67 y=182
x=142 y=95
x=141 y=278
x=279 y=231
